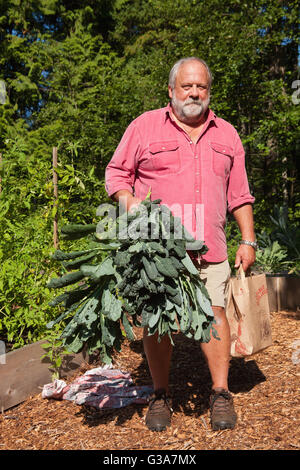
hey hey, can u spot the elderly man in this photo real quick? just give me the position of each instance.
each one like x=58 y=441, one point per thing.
x=189 y=157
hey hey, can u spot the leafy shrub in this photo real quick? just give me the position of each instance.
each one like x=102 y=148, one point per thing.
x=280 y=245
x=26 y=235
x=270 y=259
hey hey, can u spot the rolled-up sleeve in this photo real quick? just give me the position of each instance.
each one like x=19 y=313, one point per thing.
x=120 y=172
x=238 y=192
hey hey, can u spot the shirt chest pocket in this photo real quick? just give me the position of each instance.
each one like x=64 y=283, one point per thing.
x=222 y=158
x=164 y=156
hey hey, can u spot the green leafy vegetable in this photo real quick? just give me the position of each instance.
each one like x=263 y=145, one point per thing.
x=141 y=282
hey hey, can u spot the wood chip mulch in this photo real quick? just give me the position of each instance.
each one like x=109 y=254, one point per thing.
x=265 y=389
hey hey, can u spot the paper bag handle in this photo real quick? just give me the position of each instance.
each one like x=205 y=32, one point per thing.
x=241 y=272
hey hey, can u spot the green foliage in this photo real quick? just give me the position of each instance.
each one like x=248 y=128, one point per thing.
x=270 y=259
x=23 y=297
x=280 y=244
x=54 y=352
x=287 y=232
x=26 y=242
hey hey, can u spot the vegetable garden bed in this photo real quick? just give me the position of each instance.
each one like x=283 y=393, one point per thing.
x=24 y=372
x=265 y=389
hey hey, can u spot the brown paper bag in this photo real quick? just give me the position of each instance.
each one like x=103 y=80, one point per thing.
x=248 y=314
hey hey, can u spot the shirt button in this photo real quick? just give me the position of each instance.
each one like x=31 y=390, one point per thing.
x=197 y=190
x=196 y=156
x=191 y=141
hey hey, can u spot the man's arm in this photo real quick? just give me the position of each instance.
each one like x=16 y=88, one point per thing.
x=126 y=199
x=121 y=170
x=245 y=253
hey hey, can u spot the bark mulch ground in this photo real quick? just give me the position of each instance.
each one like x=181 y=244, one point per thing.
x=266 y=397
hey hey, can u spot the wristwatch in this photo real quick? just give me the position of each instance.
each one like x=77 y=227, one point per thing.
x=253 y=244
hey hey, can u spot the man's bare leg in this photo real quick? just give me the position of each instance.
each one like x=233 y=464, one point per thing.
x=217 y=352
x=158 y=356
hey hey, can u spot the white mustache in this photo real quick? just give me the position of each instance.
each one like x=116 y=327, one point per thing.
x=198 y=102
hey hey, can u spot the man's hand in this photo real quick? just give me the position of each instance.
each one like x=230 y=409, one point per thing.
x=127 y=200
x=133 y=203
x=245 y=255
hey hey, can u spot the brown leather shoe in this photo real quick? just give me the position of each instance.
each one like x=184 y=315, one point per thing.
x=222 y=412
x=158 y=416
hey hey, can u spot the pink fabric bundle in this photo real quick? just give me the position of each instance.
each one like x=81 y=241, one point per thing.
x=101 y=387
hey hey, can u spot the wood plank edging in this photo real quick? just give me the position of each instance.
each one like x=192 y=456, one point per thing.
x=23 y=373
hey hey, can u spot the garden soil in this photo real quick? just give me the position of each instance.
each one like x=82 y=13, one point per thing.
x=265 y=389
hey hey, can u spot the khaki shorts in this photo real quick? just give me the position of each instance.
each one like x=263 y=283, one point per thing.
x=216 y=279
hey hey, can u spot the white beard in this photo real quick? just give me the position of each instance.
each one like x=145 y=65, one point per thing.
x=190 y=110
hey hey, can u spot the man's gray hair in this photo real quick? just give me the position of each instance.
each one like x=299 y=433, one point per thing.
x=179 y=63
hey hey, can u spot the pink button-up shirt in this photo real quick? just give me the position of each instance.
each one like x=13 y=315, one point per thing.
x=198 y=182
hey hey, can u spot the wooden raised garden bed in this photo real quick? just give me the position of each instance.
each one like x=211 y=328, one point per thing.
x=23 y=373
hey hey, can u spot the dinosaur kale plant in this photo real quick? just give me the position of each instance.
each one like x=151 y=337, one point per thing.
x=146 y=279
